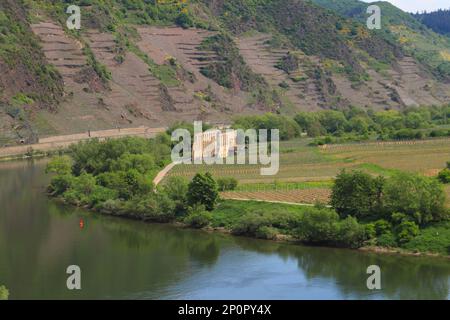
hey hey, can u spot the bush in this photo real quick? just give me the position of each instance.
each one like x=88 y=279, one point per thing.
x=387 y=240
x=151 y=207
x=60 y=184
x=382 y=227
x=4 y=293
x=406 y=231
x=250 y=223
x=351 y=234
x=318 y=226
x=266 y=232
x=100 y=195
x=324 y=227
x=176 y=188
x=227 y=184
x=370 y=230
x=444 y=176
x=198 y=217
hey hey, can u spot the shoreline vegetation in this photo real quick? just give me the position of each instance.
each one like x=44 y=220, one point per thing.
x=402 y=213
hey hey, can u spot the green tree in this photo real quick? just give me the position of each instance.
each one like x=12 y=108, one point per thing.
x=176 y=188
x=356 y=194
x=203 y=190
x=422 y=199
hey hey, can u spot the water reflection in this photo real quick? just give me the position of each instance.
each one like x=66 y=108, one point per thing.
x=129 y=259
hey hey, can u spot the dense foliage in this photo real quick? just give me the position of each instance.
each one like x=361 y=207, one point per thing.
x=4 y=293
x=22 y=60
x=395 y=208
x=402 y=28
x=355 y=124
x=115 y=177
x=411 y=123
x=203 y=190
x=438 y=20
x=287 y=127
x=444 y=175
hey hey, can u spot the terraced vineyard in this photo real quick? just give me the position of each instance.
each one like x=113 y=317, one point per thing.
x=134 y=88
x=304 y=93
x=164 y=44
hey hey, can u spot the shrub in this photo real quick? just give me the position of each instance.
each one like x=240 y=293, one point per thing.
x=318 y=226
x=386 y=240
x=60 y=184
x=324 y=227
x=444 y=176
x=111 y=206
x=406 y=231
x=266 y=232
x=151 y=207
x=198 y=217
x=351 y=233
x=370 y=230
x=176 y=188
x=227 y=184
x=382 y=227
x=101 y=194
x=4 y=293
x=250 y=223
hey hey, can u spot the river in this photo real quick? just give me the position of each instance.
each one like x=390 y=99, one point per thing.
x=123 y=259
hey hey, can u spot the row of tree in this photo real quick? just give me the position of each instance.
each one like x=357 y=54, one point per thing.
x=438 y=21
x=389 y=124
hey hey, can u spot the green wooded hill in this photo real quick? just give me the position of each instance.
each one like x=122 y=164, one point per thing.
x=154 y=62
x=414 y=34
x=439 y=20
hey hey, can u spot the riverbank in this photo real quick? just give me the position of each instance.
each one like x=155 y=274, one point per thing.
x=227 y=218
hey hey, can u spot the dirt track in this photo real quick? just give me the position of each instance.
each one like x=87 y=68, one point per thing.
x=61 y=142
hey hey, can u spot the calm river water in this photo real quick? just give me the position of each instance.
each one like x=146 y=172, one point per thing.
x=126 y=259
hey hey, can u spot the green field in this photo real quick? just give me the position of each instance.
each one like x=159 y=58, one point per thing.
x=309 y=168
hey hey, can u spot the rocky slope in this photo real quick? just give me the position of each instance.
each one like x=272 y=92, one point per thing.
x=156 y=62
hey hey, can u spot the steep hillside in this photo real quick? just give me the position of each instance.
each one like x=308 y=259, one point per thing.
x=431 y=49
x=154 y=62
x=29 y=83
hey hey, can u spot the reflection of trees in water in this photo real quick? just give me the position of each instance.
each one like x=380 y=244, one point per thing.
x=22 y=227
x=40 y=238
x=197 y=245
x=402 y=277
x=118 y=257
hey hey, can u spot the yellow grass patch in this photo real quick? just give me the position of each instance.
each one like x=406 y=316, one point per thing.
x=445 y=55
